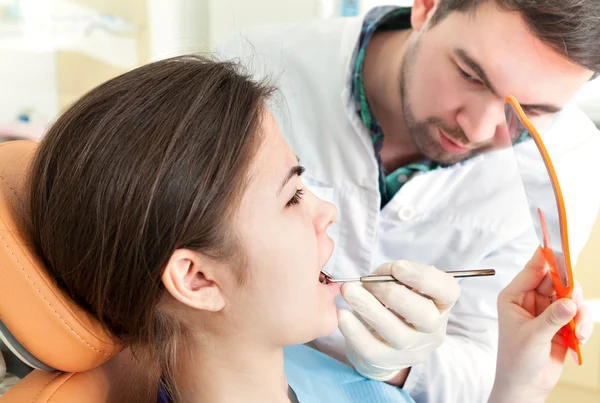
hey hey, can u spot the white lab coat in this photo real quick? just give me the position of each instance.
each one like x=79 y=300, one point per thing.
x=472 y=215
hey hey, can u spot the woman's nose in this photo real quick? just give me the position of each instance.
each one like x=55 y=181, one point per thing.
x=326 y=215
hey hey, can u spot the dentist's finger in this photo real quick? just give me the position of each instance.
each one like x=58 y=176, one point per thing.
x=415 y=309
x=371 y=356
x=546 y=287
x=436 y=284
x=553 y=319
x=389 y=326
x=531 y=276
x=584 y=326
x=359 y=338
x=583 y=320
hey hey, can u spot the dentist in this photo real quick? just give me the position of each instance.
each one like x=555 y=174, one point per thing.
x=397 y=117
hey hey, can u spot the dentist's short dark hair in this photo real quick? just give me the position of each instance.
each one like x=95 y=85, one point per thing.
x=570 y=27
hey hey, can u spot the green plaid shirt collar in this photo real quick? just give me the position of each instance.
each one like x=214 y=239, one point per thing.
x=387 y=17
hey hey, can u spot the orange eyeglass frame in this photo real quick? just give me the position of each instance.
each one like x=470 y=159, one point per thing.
x=568 y=331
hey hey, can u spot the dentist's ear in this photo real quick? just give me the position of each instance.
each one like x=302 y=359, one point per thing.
x=188 y=278
x=422 y=10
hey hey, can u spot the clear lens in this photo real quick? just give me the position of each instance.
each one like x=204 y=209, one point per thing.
x=539 y=191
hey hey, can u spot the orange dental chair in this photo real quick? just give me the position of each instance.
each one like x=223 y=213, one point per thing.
x=74 y=358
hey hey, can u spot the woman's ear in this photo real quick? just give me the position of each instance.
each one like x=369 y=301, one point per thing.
x=189 y=278
x=421 y=11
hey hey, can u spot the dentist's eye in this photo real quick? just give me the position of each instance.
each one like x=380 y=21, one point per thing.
x=531 y=112
x=467 y=77
x=295 y=200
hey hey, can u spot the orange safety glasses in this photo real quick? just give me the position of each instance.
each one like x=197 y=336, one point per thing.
x=548 y=211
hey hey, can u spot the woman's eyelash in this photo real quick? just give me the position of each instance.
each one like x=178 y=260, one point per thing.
x=295 y=200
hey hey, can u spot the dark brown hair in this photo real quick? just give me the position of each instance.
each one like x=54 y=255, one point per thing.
x=149 y=162
x=570 y=27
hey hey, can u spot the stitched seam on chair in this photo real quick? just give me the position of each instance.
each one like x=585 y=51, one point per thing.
x=13 y=190
x=61 y=384
x=45 y=386
x=56 y=390
x=48 y=302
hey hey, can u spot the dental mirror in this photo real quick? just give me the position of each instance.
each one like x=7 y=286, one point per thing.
x=546 y=207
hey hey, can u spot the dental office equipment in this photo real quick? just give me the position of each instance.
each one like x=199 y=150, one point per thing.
x=378 y=279
x=547 y=209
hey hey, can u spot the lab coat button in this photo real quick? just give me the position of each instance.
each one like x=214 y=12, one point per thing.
x=402 y=179
x=406 y=213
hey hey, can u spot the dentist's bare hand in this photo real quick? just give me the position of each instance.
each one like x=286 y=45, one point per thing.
x=393 y=327
x=530 y=353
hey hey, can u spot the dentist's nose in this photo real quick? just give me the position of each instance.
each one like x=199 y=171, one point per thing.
x=481 y=122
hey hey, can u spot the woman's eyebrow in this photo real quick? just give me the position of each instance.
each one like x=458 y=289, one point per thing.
x=295 y=170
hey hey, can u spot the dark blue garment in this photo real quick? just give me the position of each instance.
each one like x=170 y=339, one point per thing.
x=162 y=395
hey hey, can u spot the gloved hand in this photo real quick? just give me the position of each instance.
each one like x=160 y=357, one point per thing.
x=530 y=354
x=393 y=327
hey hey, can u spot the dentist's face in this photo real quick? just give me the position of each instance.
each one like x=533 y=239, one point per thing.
x=281 y=228
x=456 y=75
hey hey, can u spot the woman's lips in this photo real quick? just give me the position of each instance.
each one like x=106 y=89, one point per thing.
x=324 y=281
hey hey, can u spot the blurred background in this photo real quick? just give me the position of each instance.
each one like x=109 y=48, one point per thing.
x=53 y=51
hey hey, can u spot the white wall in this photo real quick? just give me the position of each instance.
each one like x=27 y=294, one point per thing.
x=178 y=26
x=184 y=26
x=29 y=77
x=588 y=99
x=228 y=16
x=28 y=82
x=365 y=5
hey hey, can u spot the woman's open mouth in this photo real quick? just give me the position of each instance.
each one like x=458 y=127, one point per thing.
x=325 y=280
x=324 y=277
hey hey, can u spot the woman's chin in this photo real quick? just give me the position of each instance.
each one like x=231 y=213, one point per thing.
x=326 y=325
x=329 y=322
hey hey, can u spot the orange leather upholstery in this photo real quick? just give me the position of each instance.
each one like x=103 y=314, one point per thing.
x=119 y=380
x=42 y=320
x=42 y=386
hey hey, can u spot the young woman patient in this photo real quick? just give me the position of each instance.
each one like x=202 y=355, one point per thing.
x=168 y=204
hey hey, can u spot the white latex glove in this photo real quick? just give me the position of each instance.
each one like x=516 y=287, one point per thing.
x=530 y=354
x=393 y=327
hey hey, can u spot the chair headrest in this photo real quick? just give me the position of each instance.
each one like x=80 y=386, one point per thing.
x=38 y=321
